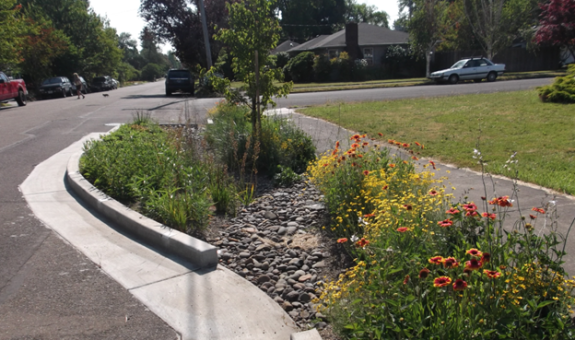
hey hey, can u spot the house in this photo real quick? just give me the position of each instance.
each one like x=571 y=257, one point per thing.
x=360 y=41
x=283 y=47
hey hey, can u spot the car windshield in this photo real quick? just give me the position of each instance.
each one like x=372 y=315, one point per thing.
x=459 y=64
x=178 y=74
x=52 y=81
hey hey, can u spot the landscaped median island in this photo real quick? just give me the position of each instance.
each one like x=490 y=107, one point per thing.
x=414 y=263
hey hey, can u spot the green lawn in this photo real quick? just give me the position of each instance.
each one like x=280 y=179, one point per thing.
x=451 y=127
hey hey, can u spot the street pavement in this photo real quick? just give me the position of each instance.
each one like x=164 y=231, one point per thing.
x=50 y=290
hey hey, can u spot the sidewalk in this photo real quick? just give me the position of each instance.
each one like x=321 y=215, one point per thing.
x=467 y=183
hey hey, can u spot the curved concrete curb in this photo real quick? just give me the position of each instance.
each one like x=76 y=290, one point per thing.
x=197 y=252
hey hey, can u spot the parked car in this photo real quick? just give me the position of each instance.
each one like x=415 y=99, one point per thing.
x=55 y=87
x=102 y=83
x=179 y=80
x=115 y=84
x=13 y=89
x=474 y=69
x=85 y=88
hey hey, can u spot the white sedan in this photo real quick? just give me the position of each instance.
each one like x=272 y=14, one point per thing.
x=474 y=69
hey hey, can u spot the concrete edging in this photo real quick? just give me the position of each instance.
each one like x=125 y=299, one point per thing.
x=197 y=252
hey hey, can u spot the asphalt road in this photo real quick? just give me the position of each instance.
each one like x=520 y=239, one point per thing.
x=48 y=290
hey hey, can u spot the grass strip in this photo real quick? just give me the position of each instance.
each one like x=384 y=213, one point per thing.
x=542 y=134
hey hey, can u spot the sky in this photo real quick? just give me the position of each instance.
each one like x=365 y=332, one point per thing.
x=123 y=14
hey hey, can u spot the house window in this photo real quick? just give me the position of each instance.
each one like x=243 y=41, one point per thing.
x=368 y=55
x=333 y=54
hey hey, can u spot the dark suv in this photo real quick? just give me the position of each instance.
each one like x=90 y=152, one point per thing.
x=179 y=80
x=103 y=83
x=55 y=87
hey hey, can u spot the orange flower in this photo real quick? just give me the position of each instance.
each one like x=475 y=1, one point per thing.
x=366 y=172
x=359 y=156
x=492 y=274
x=474 y=252
x=342 y=240
x=362 y=243
x=365 y=144
x=459 y=284
x=380 y=134
x=353 y=164
x=441 y=281
x=356 y=136
x=364 y=135
x=354 y=145
x=391 y=141
x=405 y=162
x=491 y=216
x=424 y=273
x=334 y=152
x=539 y=210
x=405 y=145
x=385 y=187
x=337 y=144
x=433 y=193
x=417 y=143
x=436 y=260
x=450 y=262
x=402 y=229
x=414 y=158
x=368 y=215
x=406 y=280
x=473 y=264
x=391 y=165
x=470 y=206
x=532 y=216
x=325 y=164
x=502 y=201
x=445 y=223
x=432 y=164
x=452 y=211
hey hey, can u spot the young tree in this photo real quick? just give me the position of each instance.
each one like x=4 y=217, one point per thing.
x=427 y=27
x=557 y=24
x=496 y=23
x=253 y=33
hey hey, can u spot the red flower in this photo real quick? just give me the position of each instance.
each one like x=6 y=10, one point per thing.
x=473 y=264
x=391 y=165
x=417 y=143
x=539 y=210
x=405 y=145
x=362 y=243
x=436 y=260
x=491 y=216
x=502 y=201
x=354 y=145
x=492 y=274
x=385 y=187
x=441 y=281
x=353 y=164
x=380 y=134
x=356 y=136
x=432 y=164
x=334 y=152
x=343 y=158
x=407 y=206
x=485 y=257
x=459 y=284
x=406 y=280
x=325 y=164
x=402 y=229
x=470 y=207
x=414 y=158
x=452 y=211
x=368 y=215
x=366 y=172
x=445 y=223
x=365 y=144
x=471 y=213
x=342 y=240
x=433 y=193
x=391 y=141
x=337 y=144
x=424 y=273
x=474 y=252
x=532 y=216
x=450 y=262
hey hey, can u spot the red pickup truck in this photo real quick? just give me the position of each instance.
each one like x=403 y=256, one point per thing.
x=13 y=89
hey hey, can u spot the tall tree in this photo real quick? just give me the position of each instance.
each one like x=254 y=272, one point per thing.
x=304 y=19
x=428 y=27
x=12 y=27
x=496 y=23
x=557 y=24
x=253 y=33
x=368 y=14
x=175 y=21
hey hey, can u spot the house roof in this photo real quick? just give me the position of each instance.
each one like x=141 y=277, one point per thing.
x=286 y=45
x=369 y=35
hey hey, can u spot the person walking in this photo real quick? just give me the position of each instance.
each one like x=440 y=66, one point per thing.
x=78 y=84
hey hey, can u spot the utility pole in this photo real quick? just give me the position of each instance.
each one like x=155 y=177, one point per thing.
x=206 y=40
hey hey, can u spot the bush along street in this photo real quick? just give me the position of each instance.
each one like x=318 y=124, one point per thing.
x=562 y=90
x=430 y=268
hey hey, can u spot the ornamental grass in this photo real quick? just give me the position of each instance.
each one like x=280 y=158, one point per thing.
x=427 y=267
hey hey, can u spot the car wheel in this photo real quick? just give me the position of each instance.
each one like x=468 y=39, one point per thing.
x=491 y=76
x=453 y=79
x=168 y=93
x=63 y=93
x=21 y=99
x=477 y=80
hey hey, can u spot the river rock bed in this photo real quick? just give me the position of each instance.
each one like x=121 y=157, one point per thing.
x=276 y=243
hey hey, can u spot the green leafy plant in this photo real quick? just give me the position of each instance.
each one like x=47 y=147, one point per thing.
x=562 y=90
x=285 y=177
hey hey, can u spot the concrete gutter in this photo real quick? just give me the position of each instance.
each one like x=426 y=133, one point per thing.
x=197 y=252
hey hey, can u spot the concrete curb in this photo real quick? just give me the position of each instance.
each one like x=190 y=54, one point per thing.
x=197 y=252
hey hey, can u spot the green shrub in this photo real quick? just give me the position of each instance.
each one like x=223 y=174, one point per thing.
x=562 y=90
x=282 y=58
x=151 y=72
x=322 y=68
x=300 y=68
x=285 y=177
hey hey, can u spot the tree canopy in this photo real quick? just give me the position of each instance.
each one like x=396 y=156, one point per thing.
x=557 y=24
